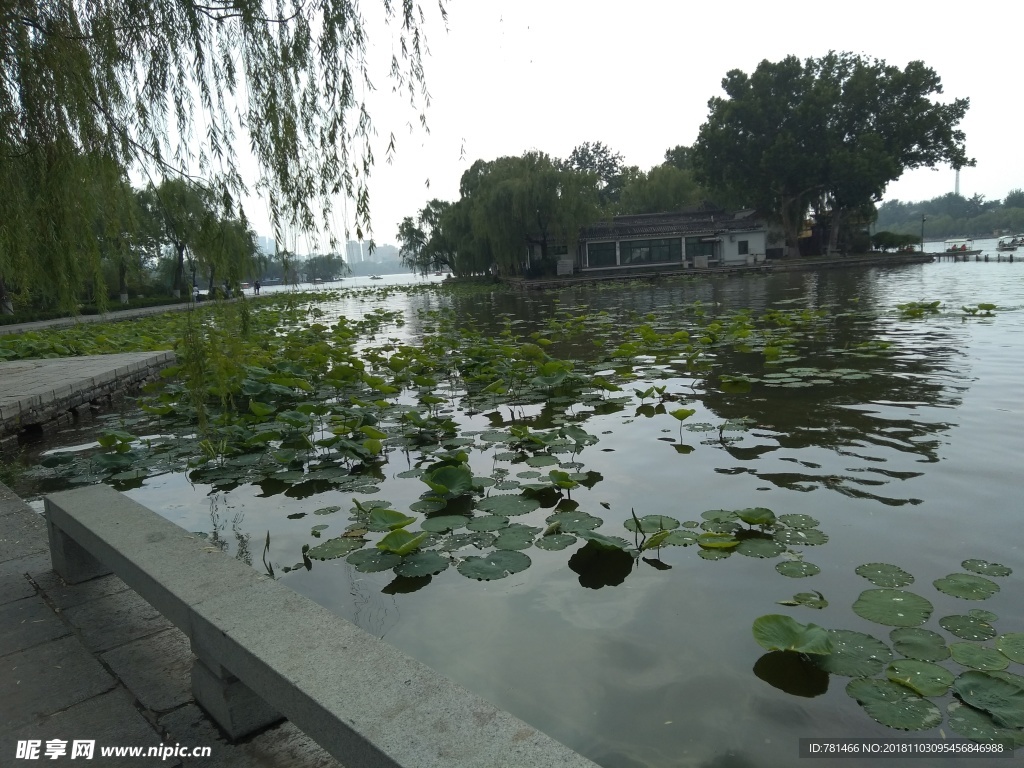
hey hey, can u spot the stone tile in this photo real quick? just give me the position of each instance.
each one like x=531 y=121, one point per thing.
x=22 y=533
x=15 y=586
x=66 y=596
x=28 y=622
x=48 y=678
x=156 y=669
x=114 y=620
x=33 y=563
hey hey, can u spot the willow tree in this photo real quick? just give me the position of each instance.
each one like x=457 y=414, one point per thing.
x=93 y=88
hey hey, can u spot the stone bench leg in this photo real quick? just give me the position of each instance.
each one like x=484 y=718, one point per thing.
x=234 y=707
x=71 y=561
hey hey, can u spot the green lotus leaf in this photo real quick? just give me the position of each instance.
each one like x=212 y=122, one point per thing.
x=717 y=541
x=1003 y=700
x=978 y=656
x=487 y=523
x=494 y=436
x=428 y=506
x=605 y=542
x=810 y=599
x=920 y=644
x=496 y=565
x=401 y=542
x=922 y=677
x=450 y=480
x=967 y=586
x=422 y=564
x=516 y=536
x=720 y=516
x=799 y=521
x=655 y=540
x=978 y=726
x=884 y=575
x=893 y=705
x=542 y=460
x=555 y=541
x=776 y=632
x=1009 y=677
x=508 y=505
x=714 y=554
x=986 y=568
x=411 y=473
x=388 y=519
x=757 y=516
x=895 y=607
x=713 y=526
x=854 y=654
x=336 y=547
x=800 y=537
x=981 y=613
x=373 y=560
x=575 y=521
x=443 y=523
x=315 y=530
x=797 y=569
x=477 y=539
x=680 y=539
x=652 y=524
x=967 y=627
x=1012 y=646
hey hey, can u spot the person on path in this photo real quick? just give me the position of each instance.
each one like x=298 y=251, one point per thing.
x=256 y=287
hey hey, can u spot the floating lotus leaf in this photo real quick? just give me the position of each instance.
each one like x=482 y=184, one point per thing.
x=895 y=607
x=920 y=644
x=713 y=526
x=967 y=586
x=759 y=547
x=810 y=599
x=986 y=568
x=508 y=505
x=496 y=565
x=981 y=613
x=792 y=673
x=776 y=632
x=487 y=523
x=450 y=481
x=714 y=554
x=516 y=537
x=555 y=541
x=717 y=541
x=483 y=482
x=757 y=516
x=680 y=539
x=315 y=530
x=967 y=627
x=978 y=656
x=507 y=485
x=495 y=436
x=1012 y=646
x=885 y=575
x=1009 y=677
x=1003 y=700
x=800 y=537
x=427 y=506
x=337 y=547
x=528 y=475
x=797 y=569
x=855 y=654
x=422 y=564
x=388 y=520
x=977 y=726
x=373 y=560
x=443 y=523
x=921 y=677
x=799 y=521
x=542 y=460
x=893 y=705
x=605 y=542
x=652 y=524
x=409 y=473
x=574 y=521
x=720 y=516
x=401 y=542
x=478 y=539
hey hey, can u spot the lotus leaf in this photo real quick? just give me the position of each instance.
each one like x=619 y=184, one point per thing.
x=401 y=542
x=410 y=473
x=336 y=547
x=575 y=521
x=712 y=526
x=487 y=523
x=922 y=677
x=421 y=564
x=1012 y=646
x=981 y=613
x=757 y=516
x=804 y=537
x=449 y=480
x=528 y=474
x=855 y=654
x=978 y=656
x=373 y=560
x=542 y=460
x=920 y=644
x=895 y=607
x=508 y=505
x=799 y=521
x=441 y=524
x=605 y=542
x=477 y=539
x=967 y=586
x=516 y=536
x=680 y=539
x=979 y=726
x=315 y=530
x=388 y=519
x=967 y=627
x=1003 y=700
x=426 y=506
x=986 y=568
x=555 y=541
x=884 y=575
x=797 y=569
x=893 y=705
x=496 y=565
x=717 y=541
x=792 y=673
x=757 y=546
x=652 y=524
x=776 y=632
x=720 y=516
x=1009 y=677
x=714 y=554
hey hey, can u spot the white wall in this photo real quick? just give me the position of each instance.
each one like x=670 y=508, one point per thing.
x=731 y=250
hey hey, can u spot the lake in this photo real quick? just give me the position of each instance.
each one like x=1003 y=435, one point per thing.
x=896 y=431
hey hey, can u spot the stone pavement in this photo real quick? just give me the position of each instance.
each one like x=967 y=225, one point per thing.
x=95 y=662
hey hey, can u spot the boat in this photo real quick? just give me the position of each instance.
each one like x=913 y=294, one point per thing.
x=1007 y=244
x=376 y=277
x=961 y=246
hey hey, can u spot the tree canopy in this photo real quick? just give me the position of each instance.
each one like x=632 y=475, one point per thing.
x=829 y=133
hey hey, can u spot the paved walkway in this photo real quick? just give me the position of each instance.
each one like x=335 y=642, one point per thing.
x=109 y=317
x=95 y=662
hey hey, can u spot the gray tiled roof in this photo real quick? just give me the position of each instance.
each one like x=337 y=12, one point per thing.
x=701 y=219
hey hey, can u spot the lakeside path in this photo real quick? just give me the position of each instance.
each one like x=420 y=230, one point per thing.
x=108 y=317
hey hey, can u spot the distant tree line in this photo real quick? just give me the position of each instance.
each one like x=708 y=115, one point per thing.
x=953 y=215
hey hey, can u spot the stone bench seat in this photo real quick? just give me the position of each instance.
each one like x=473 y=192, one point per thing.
x=265 y=652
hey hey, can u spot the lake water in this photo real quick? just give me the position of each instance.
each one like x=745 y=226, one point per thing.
x=910 y=455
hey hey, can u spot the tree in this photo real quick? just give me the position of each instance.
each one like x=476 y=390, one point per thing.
x=680 y=157
x=834 y=130
x=186 y=215
x=427 y=244
x=1014 y=198
x=663 y=188
x=91 y=89
x=597 y=158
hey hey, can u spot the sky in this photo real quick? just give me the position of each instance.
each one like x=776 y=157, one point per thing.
x=505 y=78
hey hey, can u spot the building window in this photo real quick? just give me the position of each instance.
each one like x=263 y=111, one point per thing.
x=743 y=246
x=635 y=252
x=695 y=246
x=600 y=254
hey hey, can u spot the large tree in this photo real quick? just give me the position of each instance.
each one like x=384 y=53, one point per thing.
x=597 y=158
x=173 y=86
x=428 y=243
x=833 y=131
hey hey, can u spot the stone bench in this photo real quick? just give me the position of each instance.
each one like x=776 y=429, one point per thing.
x=265 y=652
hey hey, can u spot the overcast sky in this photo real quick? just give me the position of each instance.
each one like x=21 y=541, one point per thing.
x=508 y=77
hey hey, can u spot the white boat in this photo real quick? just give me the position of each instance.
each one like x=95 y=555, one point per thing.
x=961 y=246
x=376 y=277
x=1007 y=244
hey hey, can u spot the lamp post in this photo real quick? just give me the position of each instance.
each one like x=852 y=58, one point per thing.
x=923 y=220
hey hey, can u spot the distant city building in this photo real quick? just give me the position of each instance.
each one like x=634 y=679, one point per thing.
x=354 y=252
x=267 y=245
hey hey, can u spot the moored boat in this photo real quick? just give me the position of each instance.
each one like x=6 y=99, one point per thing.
x=961 y=246
x=1007 y=244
